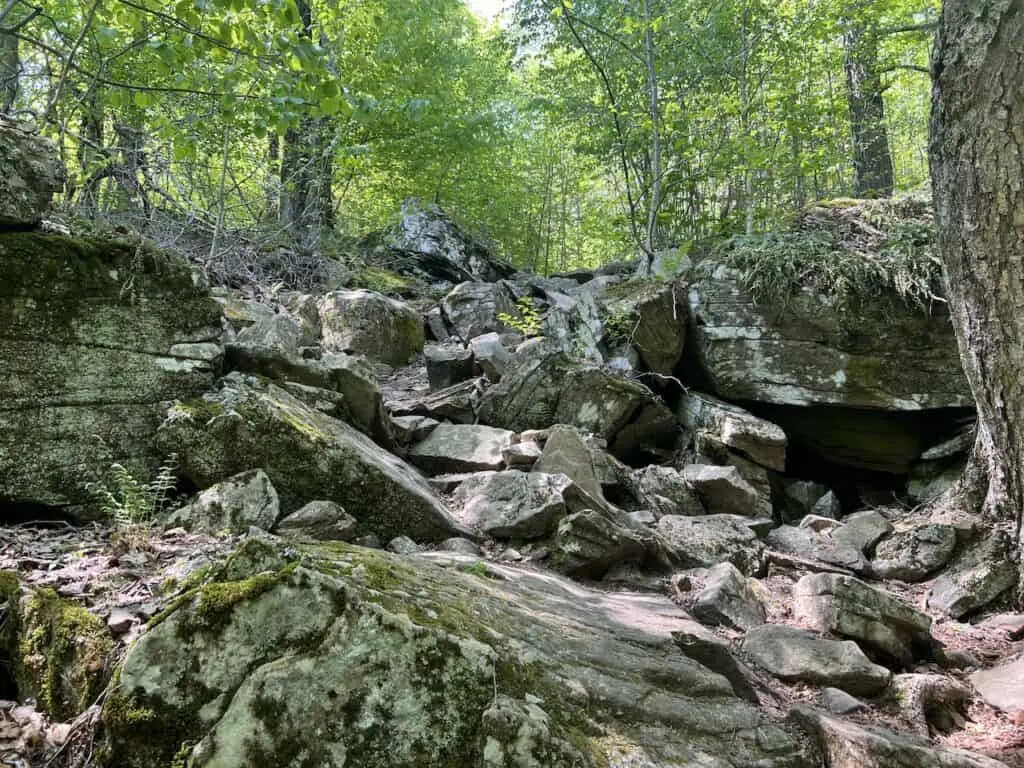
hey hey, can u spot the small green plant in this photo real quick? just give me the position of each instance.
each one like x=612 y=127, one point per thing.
x=527 y=322
x=132 y=505
x=619 y=327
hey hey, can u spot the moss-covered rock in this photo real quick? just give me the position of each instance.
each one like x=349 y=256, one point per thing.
x=97 y=335
x=306 y=454
x=650 y=316
x=62 y=655
x=367 y=323
x=341 y=656
x=30 y=174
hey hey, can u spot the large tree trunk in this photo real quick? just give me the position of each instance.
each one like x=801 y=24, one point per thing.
x=10 y=70
x=872 y=159
x=977 y=157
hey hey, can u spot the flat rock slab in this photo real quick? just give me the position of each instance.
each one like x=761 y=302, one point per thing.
x=795 y=655
x=1002 y=687
x=462 y=448
x=700 y=542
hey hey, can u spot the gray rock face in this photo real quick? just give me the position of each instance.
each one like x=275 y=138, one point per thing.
x=566 y=452
x=977 y=577
x=587 y=544
x=319 y=520
x=521 y=455
x=30 y=174
x=562 y=657
x=862 y=531
x=370 y=324
x=462 y=448
x=840 y=702
x=761 y=441
x=794 y=655
x=447 y=364
x=722 y=490
x=806 y=542
x=700 y=542
x=897 y=359
x=80 y=360
x=307 y=455
x=796 y=498
x=1002 y=686
x=282 y=333
x=913 y=555
x=728 y=599
x=845 y=744
x=512 y=504
x=664 y=491
x=490 y=354
x=472 y=309
x=848 y=607
x=649 y=315
x=233 y=505
x=456 y=403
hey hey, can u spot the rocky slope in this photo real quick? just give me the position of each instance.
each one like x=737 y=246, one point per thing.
x=409 y=536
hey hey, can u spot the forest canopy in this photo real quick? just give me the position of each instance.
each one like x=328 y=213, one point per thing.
x=566 y=134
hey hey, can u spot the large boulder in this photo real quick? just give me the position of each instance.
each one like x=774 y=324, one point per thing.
x=701 y=542
x=97 y=337
x=649 y=316
x=347 y=656
x=806 y=351
x=848 y=607
x=370 y=324
x=473 y=309
x=233 y=505
x=914 y=554
x=441 y=250
x=30 y=174
x=722 y=489
x=795 y=655
x=308 y=456
x=760 y=441
x=590 y=542
x=462 y=448
x=977 y=576
x=729 y=599
x=512 y=504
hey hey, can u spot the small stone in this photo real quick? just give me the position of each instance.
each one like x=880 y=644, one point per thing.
x=839 y=702
x=511 y=555
x=521 y=455
x=120 y=621
x=403 y=545
x=459 y=545
x=320 y=520
x=728 y=600
x=370 y=541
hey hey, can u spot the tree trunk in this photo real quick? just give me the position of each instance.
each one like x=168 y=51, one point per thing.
x=977 y=158
x=10 y=69
x=307 y=167
x=872 y=160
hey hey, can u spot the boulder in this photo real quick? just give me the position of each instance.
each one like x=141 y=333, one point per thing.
x=367 y=323
x=490 y=355
x=806 y=542
x=440 y=249
x=1002 y=686
x=665 y=491
x=512 y=504
x=528 y=393
x=845 y=744
x=280 y=332
x=589 y=543
x=978 y=575
x=795 y=499
x=728 y=599
x=888 y=355
x=828 y=506
x=233 y=506
x=840 y=702
x=572 y=323
x=354 y=656
x=319 y=520
x=97 y=337
x=447 y=364
x=457 y=403
x=929 y=702
x=412 y=429
x=473 y=309
x=521 y=455
x=30 y=174
x=850 y=608
x=915 y=554
x=760 y=441
x=566 y=452
x=794 y=655
x=722 y=490
x=701 y=542
x=307 y=455
x=461 y=448
x=862 y=531
x=650 y=316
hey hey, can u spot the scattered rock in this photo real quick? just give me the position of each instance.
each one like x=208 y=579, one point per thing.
x=807 y=542
x=512 y=504
x=728 y=600
x=665 y=491
x=827 y=506
x=722 y=489
x=761 y=441
x=461 y=448
x=403 y=545
x=840 y=702
x=457 y=404
x=928 y=702
x=862 y=531
x=566 y=452
x=977 y=577
x=447 y=364
x=915 y=554
x=521 y=455
x=797 y=499
x=700 y=542
x=794 y=655
x=848 y=607
x=321 y=520
x=473 y=309
x=649 y=315
x=490 y=354
x=370 y=324
x=233 y=506
x=589 y=543
x=1002 y=686
x=412 y=429
x=459 y=545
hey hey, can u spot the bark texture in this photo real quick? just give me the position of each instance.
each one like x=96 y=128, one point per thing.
x=977 y=156
x=872 y=158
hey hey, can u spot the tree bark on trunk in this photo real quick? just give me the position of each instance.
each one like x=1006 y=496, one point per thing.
x=10 y=70
x=977 y=159
x=872 y=159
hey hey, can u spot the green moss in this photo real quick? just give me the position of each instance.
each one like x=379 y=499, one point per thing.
x=380 y=280
x=64 y=651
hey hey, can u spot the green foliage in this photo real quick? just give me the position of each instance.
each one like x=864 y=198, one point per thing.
x=850 y=251
x=619 y=327
x=527 y=321
x=130 y=504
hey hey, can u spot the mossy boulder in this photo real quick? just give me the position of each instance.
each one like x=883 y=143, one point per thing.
x=249 y=422
x=368 y=323
x=342 y=656
x=30 y=174
x=62 y=655
x=649 y=316
x=97 y=337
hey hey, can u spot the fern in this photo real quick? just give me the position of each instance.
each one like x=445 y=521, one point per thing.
x=528 y=321
x=128 y=502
